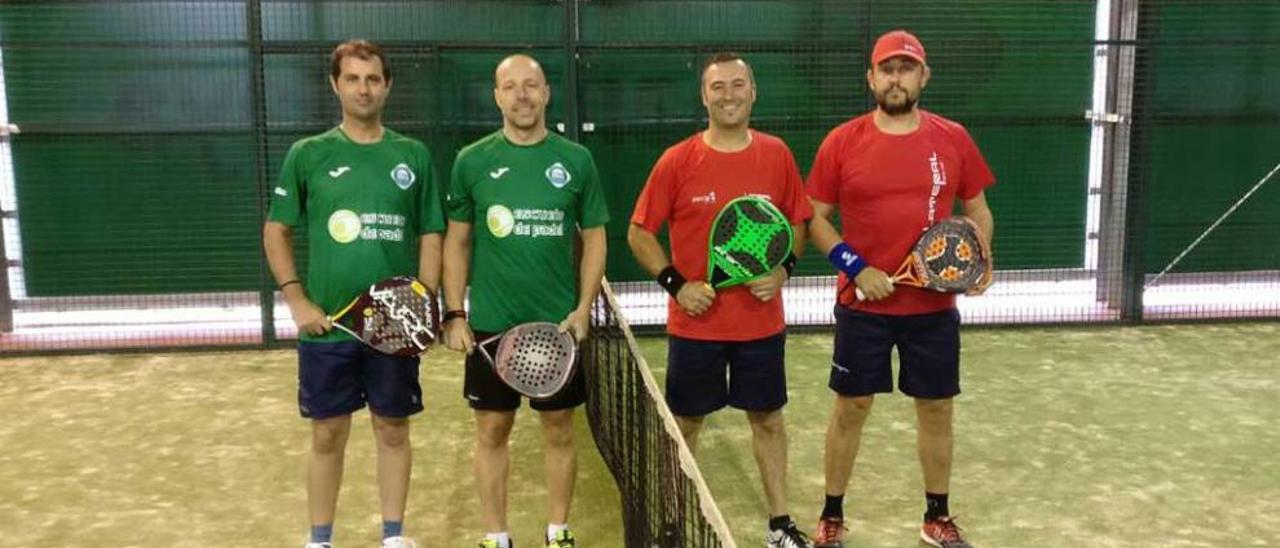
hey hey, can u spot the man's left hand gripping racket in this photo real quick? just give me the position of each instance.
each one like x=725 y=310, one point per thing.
x=750 y=238
x=397 y=316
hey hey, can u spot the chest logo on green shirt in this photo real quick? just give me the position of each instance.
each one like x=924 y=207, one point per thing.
x=344 y=226
x=500 y=221
x=558 y=176
x=524 y=222
x=403 y=176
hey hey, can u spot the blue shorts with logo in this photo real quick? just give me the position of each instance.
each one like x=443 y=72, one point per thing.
x=339 y=378
x=928 y=354
x=705 y=376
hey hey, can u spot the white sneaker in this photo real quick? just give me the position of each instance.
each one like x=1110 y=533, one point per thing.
x=318 y=545
x=398 y=542
x=788 y=537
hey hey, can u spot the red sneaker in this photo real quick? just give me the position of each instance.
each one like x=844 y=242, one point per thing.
x=830 y=533
x=943 y=533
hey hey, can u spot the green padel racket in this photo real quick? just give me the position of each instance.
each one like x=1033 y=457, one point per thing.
x=749 y=238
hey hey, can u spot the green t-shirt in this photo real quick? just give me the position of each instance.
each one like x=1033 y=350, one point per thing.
x=364 y=206
x=525 y=204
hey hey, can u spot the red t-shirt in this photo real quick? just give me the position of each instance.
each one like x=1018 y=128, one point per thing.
x=688 y=186
x=890 y=189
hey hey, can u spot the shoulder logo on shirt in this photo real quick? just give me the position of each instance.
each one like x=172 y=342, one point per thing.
x=558 y=176
x=403 y=176
x=338 y=171
x=498 y=173
x=708 y=198
x=281 y=191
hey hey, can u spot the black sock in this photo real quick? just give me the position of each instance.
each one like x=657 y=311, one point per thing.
x=779 y=522
x=935 y=506
x=834 y=507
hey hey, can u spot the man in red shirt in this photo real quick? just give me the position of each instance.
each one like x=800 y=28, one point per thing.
x=739 y=329
x=892 y=173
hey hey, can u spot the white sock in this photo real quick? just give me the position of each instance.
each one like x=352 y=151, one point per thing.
x=504 y=539
x=554 y=529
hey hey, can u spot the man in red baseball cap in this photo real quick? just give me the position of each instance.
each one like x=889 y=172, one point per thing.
x=893 y=172
x=895 y=43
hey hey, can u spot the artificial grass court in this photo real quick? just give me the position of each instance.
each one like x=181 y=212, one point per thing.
x=1099 y=437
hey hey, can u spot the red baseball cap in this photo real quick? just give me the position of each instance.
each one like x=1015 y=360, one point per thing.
x=895 y=43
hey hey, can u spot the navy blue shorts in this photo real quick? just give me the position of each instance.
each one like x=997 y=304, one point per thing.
x=485 y=391
x=928 y=354
x=338 y=378
x=698 y=383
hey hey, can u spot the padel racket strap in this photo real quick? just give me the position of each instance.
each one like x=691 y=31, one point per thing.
x=671 y=280
x=846 y=260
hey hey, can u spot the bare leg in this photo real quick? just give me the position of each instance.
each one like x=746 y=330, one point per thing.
x=492 y=461
x=769 y=443
x=395 y=464
x=324 y=467
x=844 y=435
x=561 y=461
x=935 y=441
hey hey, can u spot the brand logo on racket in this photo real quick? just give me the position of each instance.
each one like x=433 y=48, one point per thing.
x=344 y=226
x=500 y=221
x=337 y=172
x=498 y=173
x=558 y=176
x=403 y=176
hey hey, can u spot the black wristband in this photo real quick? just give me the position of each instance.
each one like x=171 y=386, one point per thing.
x=289 y=283
x=671 y=280
x=453 y=314
x=789 y=264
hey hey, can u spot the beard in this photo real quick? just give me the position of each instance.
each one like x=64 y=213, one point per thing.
x=892 y=109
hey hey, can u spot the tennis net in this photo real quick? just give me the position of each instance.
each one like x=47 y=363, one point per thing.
x=665 y=502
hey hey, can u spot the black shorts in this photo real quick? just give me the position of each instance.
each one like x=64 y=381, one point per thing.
x=338 y=378
x=705 y=376
x=484 y=390
x=928 y=354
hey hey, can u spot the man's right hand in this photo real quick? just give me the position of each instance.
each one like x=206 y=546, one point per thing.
x=695 y=297
x=309 y=318
x=874 y=283
x=458 y=336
